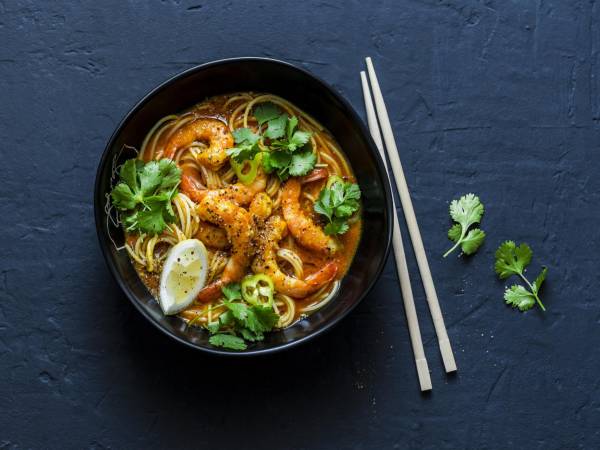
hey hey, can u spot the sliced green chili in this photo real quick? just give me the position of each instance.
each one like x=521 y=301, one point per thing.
x=247 y=170
x=258 y=289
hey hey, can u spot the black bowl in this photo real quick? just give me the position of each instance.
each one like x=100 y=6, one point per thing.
x=310 y=94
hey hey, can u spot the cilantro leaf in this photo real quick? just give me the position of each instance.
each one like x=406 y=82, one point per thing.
x=298 y=140
x=512 y=260
x=128 y=173
x=144 y=194
x=232 y=291
x=472 y=241
x=265 y=112
x=246 y=145
x=337 y=203
x=245 y=135
x=336 y=227
x=150 y=178
x=537 y=284
x=454 y=232
x=214 y=327
x=228 y=341
x=302 y=163
x=122 y=197
x=519 y=297
x=467 y=211
x=276 y=128
x=277 y=162
x=239 y=310
x=251 y=336
x=265 y=318
x=152 y=220
x=240 y=319
x=169 y=173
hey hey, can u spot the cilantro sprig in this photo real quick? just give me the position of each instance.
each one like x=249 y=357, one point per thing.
x=466 y=211
x=512 y=260
x=143 y=195
x=337 y=202
x=241 y=322
x=288 y=150
x=290 y=154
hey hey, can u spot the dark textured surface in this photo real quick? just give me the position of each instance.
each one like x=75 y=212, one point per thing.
x=501 y=98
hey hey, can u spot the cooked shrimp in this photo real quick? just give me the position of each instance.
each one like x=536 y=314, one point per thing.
x=265 y=262
x=212 y=236
x=315 y=175
x=238 y=225
x=212 y=132
x=306 y=232
x=261 y=206
x=191 y=184
x=241 y=194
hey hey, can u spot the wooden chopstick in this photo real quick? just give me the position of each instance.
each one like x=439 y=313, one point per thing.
x=401 y=267
x=411 y=222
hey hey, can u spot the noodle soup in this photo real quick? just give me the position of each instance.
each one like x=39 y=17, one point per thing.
x=241 y=215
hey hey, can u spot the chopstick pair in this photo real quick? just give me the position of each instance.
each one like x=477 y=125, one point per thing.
x=415 y=235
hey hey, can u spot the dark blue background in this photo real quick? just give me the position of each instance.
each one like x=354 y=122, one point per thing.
x=501 y=98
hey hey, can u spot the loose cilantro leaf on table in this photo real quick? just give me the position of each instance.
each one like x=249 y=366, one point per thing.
x=144 y=193
x=466 y=211
x=337 y=203
x=241 y=321
x=512 y=260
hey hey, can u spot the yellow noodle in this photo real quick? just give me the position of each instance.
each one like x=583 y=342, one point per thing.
x=309 y=196
x=334 y=168
x=322 y=297
x=180 y=123
x=288 y=305
x=151 y=132
x=294 y=260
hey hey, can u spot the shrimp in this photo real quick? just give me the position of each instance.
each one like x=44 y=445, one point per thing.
x=261 y=207
x=238 y=225
x=191 y=184
x=241 y=194
x=301 y=226
x=265 y=262
x=210 y=131
x=212 y=235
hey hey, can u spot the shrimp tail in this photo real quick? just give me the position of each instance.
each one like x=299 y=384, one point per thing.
x=211 y=292
x=323 y=275
x=192 y=186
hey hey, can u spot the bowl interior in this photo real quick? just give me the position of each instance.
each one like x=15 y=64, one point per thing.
x=311 y=95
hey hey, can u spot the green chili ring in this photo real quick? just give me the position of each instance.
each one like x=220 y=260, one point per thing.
x=247 y=170
x=258 y=290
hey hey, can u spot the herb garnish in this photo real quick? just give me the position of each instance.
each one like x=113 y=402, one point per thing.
x=467 y=211
x=337 y=202
x=512 y=260
x=289 y=153
x=240 y=322
x=144 y=193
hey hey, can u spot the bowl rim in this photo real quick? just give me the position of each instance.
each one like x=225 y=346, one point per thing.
x=98 y=207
